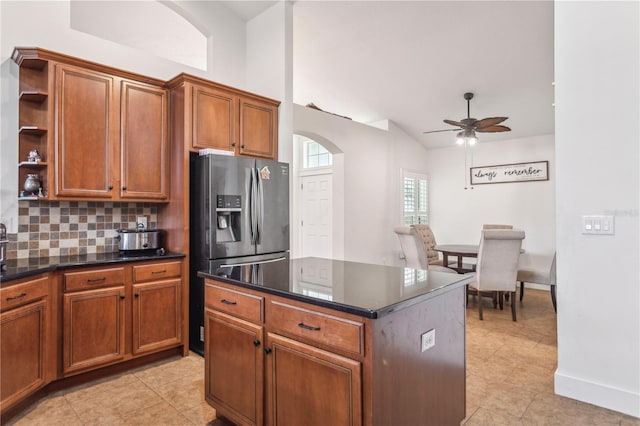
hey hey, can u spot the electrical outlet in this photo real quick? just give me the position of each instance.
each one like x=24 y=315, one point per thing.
x=428 y=339
x=141 y=220
x=201 y=333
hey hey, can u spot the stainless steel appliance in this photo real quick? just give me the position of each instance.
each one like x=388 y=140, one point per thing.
x=3 y=246
x=239 y=215
x=139 y=239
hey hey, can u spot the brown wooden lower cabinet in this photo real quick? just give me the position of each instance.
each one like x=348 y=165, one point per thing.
x=22 y=347
x=233 y=369
x=319 y=366
x=115 y=313
x=157 y=310
x=62 y=328
x=94 y=328
x=305 y=384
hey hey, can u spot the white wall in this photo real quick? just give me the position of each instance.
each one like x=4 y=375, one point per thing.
x=457 y=214
x=269 y=70
x=371 y=161
x=597 y=64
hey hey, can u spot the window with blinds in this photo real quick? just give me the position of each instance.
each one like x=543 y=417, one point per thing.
x=416 y=201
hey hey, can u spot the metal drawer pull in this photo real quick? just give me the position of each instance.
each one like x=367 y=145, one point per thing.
x=20 y=296
x=159 y=272
x=96 y=280
x=256 y=342
x=308 y=327
x=228 y=302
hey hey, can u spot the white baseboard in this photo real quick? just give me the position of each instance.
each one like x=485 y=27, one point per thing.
x=608 y=397
x=534 y=286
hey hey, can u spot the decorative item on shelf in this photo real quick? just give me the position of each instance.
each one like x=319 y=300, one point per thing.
x=32 y=185
x=34 y=157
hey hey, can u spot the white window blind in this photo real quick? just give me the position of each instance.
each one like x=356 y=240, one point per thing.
x=416 y=198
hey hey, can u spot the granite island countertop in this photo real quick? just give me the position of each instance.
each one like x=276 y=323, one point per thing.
x=363 y=289
x=21 y=268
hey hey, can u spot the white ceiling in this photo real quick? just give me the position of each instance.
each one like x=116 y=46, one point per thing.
x=412 y=61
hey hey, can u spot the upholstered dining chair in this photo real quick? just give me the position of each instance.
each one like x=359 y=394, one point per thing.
x=490 y=226
x=409 y=247
x=428 y=242
x=497 y=266
x=546 y=276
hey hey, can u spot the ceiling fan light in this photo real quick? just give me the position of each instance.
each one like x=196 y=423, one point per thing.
x=472 y=141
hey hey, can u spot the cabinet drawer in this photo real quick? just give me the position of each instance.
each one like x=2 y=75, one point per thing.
x=20 y=294
x=242 y=305
x=323 y=328
x=95 y=278
x=156 y=271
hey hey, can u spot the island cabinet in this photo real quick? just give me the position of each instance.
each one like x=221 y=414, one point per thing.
x=295 y=361
x=373 y=346
x=112 y=314
x=104 y=131
x=27 y=346
x=212 y=115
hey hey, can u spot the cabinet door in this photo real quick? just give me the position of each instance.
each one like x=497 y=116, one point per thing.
x=214 y=119
x=94 y=329
x=86 y=133
x=305 y=384
x=156 y=316
x=143 y=123
x=22 y=351
x=234 y=367
x=258 y=129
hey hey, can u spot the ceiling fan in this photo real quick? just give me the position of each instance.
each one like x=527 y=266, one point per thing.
x=467 y=127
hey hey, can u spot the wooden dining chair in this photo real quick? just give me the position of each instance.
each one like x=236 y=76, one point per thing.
x=497 y=266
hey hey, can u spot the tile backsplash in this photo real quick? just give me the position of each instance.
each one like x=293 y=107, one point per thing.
x=62 y=228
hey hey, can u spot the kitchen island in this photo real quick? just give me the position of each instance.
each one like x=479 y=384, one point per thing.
x=319 y=341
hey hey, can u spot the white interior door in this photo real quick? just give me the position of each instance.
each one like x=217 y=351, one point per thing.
x=316 y=215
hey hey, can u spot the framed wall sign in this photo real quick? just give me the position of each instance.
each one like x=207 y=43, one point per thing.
x=504 y=173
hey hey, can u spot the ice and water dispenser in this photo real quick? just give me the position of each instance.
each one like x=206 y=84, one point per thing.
x=228 y=218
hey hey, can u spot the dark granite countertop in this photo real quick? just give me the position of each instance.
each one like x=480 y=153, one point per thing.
x=22 y=268
x=358 y=288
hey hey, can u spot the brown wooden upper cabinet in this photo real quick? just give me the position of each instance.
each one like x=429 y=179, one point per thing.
x=86 y=133
x=221 y=117
x=111 y=137
x=110 y=130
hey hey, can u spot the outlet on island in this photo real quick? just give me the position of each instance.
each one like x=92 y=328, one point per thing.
x=428 y=339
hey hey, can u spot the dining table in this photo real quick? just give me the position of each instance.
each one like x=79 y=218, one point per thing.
x=460 y=251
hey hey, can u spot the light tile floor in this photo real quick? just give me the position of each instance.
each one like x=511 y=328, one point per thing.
x=510 y=368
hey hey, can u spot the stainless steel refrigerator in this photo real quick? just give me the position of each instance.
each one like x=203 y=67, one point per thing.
x=239 y=216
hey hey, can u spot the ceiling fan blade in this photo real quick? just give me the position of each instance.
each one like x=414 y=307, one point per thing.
x=493 y=129
x=490 y=121
x=454 y=123
x=445 y=130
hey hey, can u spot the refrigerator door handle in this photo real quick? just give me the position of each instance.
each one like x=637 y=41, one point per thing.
x=231 y=265
x=260 y=216
x=252 y=206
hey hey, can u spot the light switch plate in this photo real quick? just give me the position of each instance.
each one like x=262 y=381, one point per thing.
x=598 y=225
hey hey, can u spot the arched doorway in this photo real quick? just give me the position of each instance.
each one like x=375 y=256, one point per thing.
x=316 y=227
